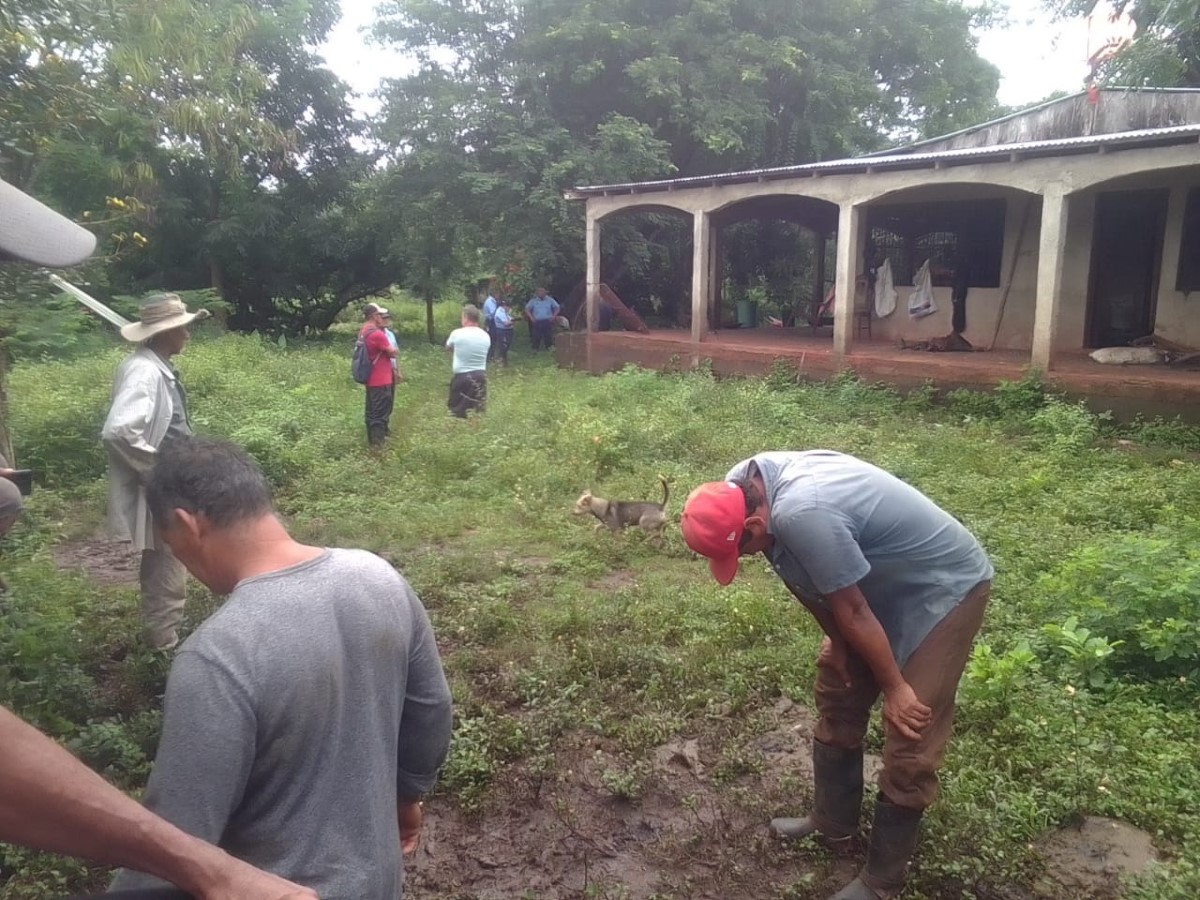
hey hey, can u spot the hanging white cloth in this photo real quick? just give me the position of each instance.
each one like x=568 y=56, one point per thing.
x=920 y=301
x=885 y=290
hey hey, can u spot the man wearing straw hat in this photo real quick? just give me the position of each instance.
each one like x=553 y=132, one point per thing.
x=149 y=406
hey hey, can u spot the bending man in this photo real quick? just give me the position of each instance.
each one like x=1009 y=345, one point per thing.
x=899 y=588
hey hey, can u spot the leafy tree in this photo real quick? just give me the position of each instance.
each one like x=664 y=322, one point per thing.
x=210 y=130
x=1166 y=51
x=257 y=177
x=532 y=97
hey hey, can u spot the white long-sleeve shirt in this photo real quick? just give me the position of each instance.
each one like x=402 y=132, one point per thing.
x=143 y=401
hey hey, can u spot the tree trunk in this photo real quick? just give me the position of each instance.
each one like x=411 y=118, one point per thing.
x=216 y=270
x=429 y=319
x=216 y=276
x=5 y=435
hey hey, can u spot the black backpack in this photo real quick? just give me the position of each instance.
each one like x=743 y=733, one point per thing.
x=361 y=363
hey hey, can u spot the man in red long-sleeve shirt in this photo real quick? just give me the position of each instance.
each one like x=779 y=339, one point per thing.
x=381 y=384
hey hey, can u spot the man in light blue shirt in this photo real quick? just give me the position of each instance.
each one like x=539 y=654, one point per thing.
x=490 y=305
x=468 y=382
x=503 y=337
x=395 y=345
x=541 y=310
x=899 y=587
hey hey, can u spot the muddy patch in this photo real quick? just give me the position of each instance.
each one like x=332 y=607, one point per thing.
x=527 y=563
x=786 y=749
x=103 y=561
x=598 y=823
x=1089 y=859
x=619 y=580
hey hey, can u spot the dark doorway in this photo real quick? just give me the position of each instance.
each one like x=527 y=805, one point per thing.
x=1126 y=256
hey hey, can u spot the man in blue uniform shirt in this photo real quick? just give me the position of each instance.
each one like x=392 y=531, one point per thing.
x=541 y=311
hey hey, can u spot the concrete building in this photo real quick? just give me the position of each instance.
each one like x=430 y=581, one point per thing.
x=1071 y=225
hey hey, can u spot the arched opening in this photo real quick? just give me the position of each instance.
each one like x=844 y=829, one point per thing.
x=646 y=261
x=976 y=243
x=1143 y=260
x=773 y=263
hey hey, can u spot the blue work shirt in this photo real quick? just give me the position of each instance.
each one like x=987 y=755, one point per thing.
x=391 y=338
x=541 y=309
x=503 y=319
x=489 y=308
x=839 y=521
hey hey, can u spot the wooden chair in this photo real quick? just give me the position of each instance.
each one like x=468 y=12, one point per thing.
x=819 y=312
x=862 y=306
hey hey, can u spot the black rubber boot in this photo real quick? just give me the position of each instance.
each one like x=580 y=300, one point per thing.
x=893 y=840
x=837 y=796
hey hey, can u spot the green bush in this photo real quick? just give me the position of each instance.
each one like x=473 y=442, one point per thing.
x=1141 y=591
x=1018 y=398
x=1174 y=434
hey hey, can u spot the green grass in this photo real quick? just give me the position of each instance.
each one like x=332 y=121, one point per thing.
x=552 y=629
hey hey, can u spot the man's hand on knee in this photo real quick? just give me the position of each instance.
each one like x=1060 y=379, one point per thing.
x=905 y=712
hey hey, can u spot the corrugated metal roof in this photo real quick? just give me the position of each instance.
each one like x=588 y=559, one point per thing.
x=1019 y=113
x=1177 y=134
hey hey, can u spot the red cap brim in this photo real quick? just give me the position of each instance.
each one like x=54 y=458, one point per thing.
x=724 y=569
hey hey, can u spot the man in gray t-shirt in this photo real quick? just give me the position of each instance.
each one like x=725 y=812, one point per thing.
x=303 y=720
x=899 y=586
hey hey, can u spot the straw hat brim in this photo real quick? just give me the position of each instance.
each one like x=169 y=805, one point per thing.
x=137 y=332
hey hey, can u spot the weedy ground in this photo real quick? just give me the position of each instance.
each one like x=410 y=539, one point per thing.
x=624 y=728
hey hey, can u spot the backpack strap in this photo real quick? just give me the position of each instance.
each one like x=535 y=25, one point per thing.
x=367 y=335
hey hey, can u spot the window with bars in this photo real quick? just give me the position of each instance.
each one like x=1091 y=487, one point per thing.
x=966 y=233
x=1187 y=278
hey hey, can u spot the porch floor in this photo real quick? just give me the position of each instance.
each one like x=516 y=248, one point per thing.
x=1125 y=389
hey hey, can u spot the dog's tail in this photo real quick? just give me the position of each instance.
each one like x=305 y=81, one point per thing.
x=666 y=490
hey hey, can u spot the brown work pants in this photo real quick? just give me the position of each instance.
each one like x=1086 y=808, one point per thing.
x=910 y=767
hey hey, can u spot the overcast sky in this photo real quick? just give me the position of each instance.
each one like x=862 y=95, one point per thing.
x=1035 y=56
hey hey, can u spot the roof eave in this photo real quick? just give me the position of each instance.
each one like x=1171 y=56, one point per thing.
x=901 y=161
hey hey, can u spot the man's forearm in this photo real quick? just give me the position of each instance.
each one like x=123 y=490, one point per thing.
x=51 y=801
x=865 y=636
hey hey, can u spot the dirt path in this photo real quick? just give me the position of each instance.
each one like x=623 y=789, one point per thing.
x=104 y=561
x=688 y=833
x=692 y=833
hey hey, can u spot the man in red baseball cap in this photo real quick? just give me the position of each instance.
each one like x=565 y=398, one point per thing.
x=899 y=587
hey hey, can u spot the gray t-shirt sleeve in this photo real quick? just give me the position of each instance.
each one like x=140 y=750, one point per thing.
x=823 y=542
x=426 y=721
x=204 y=756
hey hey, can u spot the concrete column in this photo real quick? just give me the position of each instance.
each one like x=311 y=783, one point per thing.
x=819 y=241
x=1051 y=258
x=593 y=274
x=701 y=273
x=849 y=252
x=715 y=251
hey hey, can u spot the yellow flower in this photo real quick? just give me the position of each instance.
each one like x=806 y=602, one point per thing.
x=1070 y=690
